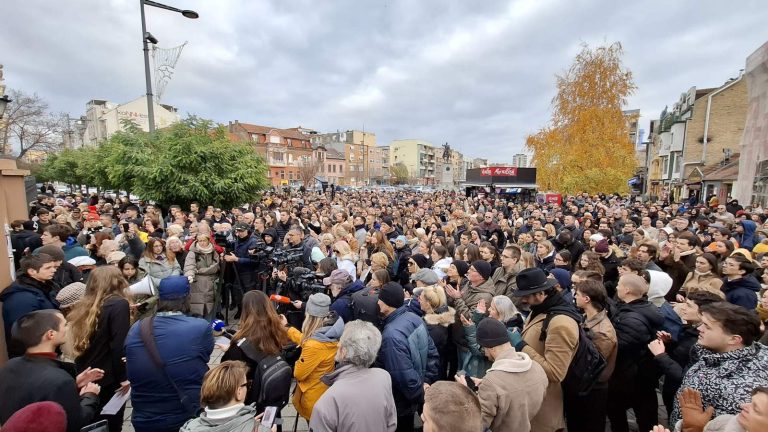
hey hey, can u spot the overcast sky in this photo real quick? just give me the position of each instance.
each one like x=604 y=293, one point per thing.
x=477 y=74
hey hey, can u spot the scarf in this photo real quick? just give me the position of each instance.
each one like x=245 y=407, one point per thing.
x=206 y=250
x=547 y=304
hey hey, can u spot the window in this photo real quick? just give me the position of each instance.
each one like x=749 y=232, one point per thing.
x=341 y=169
x=282 y=175
x=334 y=167
x=274 y=139
x=290 y=175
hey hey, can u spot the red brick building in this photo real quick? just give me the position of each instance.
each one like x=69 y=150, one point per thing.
x=284 y=150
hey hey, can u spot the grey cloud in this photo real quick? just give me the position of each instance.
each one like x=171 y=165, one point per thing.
x=479 y=75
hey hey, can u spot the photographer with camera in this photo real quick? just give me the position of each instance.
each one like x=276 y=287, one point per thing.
x=295 y=239
x=243 y=274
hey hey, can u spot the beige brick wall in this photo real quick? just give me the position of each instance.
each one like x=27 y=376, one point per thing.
x=728 y=114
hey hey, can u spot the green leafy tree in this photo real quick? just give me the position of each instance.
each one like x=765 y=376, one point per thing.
x=191 y=161
x=400 y=172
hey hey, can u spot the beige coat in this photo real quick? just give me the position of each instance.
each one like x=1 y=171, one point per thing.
x=606 y=342
x=708 y=282
x=554 y=355
x=512 y=392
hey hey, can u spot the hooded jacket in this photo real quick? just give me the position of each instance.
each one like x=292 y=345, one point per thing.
x=353 y=386
x=747 y=238
x=243 y=421
x=742 y=291
x=317 y=359
x=25 y=295
x=342 y=304
x=438 y=325
x=512 y=392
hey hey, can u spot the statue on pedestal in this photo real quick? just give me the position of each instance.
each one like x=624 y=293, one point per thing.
x=446 y=152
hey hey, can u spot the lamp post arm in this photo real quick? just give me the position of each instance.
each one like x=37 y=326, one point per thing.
x=161 y=6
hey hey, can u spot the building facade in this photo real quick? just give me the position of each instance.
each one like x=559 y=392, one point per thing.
x=355 y=146
x=752 y=184
x=286 y=151
x=419 y=158
x=520 y=160
x=378 y=165
x=103 y=118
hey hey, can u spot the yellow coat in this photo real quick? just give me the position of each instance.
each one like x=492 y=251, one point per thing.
x=317 y=359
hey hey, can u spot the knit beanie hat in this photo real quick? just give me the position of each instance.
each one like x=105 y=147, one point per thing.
x=602 y=247
x=318 y=305
x=483 y=267
x=491 y=333
x=392 y=295
x=38 y=417
x=54 y=252
x=70 y=294
x=461 y=266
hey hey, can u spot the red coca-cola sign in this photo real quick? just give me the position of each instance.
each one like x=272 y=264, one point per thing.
x=499 y=172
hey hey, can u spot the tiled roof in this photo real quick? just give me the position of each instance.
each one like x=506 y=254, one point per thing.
x=333 y=154
x=263 y=130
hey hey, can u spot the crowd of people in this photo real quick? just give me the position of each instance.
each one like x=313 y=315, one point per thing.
x=389 y=311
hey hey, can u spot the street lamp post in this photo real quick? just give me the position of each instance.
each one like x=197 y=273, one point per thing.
x=147 y=37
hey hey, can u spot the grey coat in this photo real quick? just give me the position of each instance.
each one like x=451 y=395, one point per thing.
x=352 y=386
x=204 y=268
x=244 y=421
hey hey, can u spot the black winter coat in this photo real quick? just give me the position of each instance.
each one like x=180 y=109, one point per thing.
x=29 y=379
x=636 y=324
x=106 y=349
x=67 y=274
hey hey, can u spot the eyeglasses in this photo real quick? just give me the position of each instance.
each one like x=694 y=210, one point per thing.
x=508 y=256
x=410 y=263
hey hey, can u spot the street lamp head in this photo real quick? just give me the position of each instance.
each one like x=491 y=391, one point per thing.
x=190 y=14
x=149 y=37
x=4 y=101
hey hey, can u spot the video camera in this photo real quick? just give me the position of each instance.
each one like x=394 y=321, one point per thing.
x=286 y=258
x=302 y=283
x=222 y=241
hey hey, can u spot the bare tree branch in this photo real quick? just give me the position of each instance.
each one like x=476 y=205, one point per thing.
x=30 y=127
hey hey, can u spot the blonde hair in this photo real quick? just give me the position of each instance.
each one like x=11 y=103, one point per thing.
x=435 y=296
x=310 y=326
x=526 y=258
x=380 y=258
x=344 y=250
x=104 y=282
x=174 y=230
x=220 y=384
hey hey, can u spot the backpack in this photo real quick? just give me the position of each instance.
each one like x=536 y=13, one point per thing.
x=270 y=378
x=365 y=307
x=586 y=366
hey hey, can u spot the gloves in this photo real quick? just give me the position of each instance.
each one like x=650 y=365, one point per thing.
x=516 y=339
x=191 y=279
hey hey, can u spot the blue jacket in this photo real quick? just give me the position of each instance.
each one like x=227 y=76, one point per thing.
x=409 y=355
x=343 y=303
x=25 y=295
x=742 y=291
x=185 y=345
x=747 y=239
x=245 y=263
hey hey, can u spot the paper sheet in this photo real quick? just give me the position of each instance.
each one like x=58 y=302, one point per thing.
x=221 y=340
x=117 y=402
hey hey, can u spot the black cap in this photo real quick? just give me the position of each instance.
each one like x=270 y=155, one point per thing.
x=483 y=267
x=392 y=295
x=491 y=333
x=241 y=226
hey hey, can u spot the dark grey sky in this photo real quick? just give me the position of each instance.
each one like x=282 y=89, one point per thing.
x=477 y=74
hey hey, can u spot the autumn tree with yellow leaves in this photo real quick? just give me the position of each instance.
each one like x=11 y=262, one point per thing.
x=586 y=147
